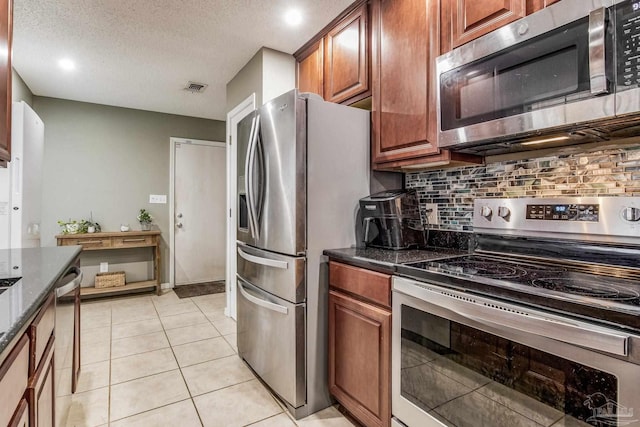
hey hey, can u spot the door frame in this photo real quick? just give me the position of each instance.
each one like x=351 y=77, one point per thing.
x=173 y=141
x=239 y=112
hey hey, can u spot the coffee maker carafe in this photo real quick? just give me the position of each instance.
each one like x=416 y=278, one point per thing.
x=391 y=220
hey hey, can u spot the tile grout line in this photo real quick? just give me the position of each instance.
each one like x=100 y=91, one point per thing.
x=179 y=367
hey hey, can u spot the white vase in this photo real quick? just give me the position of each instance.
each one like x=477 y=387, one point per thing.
x=145 y=226
x=91 y=229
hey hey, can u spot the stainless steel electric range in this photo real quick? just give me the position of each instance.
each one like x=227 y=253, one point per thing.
x=539 y=326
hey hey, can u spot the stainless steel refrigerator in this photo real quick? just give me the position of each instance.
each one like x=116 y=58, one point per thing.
x=303 y=164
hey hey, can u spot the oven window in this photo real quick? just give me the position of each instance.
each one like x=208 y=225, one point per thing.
x=465 y=377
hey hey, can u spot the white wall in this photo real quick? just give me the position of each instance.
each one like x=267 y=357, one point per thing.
x=107 y=160
x=268 y=73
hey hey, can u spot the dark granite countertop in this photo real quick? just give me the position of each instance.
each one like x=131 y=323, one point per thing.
x=39 y=268
x=386 y=260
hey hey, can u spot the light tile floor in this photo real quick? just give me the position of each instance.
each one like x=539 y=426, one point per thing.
x=164 y=361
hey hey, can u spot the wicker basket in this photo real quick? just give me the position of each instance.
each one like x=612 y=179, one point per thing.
x=109 y=280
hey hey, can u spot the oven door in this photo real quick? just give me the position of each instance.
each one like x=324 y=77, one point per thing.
x=466 y=361
x=544 y=72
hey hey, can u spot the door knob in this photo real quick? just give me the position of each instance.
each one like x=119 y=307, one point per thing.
x=179 y=215
x=179 y=225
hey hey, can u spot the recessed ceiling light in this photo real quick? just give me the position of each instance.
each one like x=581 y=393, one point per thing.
x=293 y=17
x=66 y=64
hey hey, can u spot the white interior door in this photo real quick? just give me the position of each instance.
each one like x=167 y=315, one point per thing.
x=233 y=117
x=199 y=212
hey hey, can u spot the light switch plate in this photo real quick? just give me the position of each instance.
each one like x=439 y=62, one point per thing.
x=104 y=267
x=157 y=198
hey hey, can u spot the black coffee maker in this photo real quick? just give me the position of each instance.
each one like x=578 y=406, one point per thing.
x=391 y=220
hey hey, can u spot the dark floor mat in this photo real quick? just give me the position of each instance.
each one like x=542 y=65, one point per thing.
x=198 y=289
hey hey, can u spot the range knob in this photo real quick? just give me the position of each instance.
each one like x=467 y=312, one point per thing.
x=631 y=214
x=504 y=212
x=486 y=212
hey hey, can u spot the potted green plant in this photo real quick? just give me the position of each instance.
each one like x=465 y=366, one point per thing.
x=69 y=227
x=89 y=226
x=145 y=219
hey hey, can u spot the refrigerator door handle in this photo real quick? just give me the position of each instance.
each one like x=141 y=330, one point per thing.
x=263 y=261
x=250 y=176
x=262 y=303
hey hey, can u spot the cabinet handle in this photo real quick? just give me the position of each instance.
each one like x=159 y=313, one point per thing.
x=90 y=242
x=132 y=240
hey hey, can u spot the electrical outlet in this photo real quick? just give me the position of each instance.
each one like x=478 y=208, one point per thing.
x=104 y=267
x=431 y=217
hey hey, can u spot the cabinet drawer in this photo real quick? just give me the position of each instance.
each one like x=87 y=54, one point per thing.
x=40 y=331
x=88 y=243
x=14 y=374
x=132 y=242
x=369 y=285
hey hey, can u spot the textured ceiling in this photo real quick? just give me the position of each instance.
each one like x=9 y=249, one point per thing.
x=141 y=53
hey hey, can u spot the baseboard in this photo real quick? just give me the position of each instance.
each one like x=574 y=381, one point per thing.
x=166 y=286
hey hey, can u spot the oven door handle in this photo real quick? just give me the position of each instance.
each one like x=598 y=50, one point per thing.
x=582 y=335
x=598 y=20
x=508 y=316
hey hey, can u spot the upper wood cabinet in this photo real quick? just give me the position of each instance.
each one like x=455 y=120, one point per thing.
x=346 y=67
x=335 y=63
x=466 y=20
x=6 y=35
x=404 y=112
x=310 y=69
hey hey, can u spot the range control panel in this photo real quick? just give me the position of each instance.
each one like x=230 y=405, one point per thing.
x=610 y=219
x=564 y=212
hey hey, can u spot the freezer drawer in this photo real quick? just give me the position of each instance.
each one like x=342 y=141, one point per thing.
x=280 y=275
x=271 y=338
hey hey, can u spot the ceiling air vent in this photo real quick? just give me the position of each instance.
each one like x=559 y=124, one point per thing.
x=194 y=87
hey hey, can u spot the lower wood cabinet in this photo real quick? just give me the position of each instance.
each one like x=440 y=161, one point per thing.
x=41 y=391
x=14 y=376
x=21 y=417
x=359 y=346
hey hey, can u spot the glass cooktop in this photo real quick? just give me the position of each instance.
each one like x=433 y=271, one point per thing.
x=559 y=287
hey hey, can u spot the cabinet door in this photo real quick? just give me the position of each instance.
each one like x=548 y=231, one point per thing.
x=403 y=110
x=535 y=5
x=6 y=34
x=465 y=20
x=310 y=69
x=14 y=377
x=345 y=58
x=41 y=391
x=359 y=358
x=21 y=417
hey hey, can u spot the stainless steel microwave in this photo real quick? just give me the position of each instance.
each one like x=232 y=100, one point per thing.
x=567 y=74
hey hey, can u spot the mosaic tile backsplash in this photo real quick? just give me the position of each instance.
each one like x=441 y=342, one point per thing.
x=604 y=173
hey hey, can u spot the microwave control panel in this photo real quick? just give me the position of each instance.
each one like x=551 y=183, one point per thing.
x=564 y=212
x=628 y=36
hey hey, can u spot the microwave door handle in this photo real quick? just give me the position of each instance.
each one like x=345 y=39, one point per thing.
x=597 y=47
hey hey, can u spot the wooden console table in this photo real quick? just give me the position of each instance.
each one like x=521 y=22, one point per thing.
x=118 y=240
